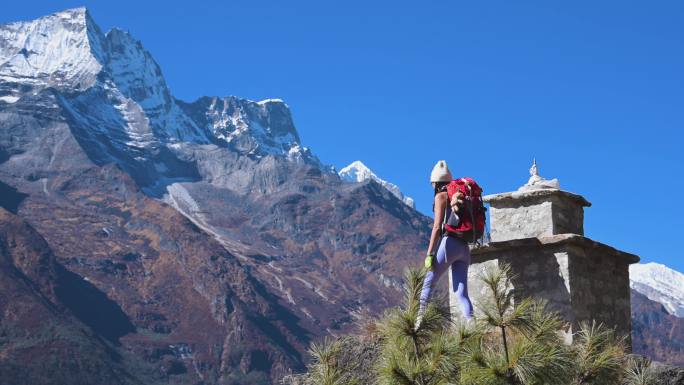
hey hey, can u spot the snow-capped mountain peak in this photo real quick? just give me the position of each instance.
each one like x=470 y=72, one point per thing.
x=359 y=172
x=135 y=72
x=356 y=171
x=661 y=284
x=65 y=49
x=112 y=87
x=68 y=51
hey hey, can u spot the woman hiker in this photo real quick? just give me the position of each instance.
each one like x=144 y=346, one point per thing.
x=445 y=250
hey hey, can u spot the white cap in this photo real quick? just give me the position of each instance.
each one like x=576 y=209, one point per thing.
x=441 y=173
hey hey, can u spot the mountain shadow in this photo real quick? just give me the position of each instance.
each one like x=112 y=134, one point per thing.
x=10 y=198
x=91 y=306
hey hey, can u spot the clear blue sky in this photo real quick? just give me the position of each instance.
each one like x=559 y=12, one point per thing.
x=593 y=89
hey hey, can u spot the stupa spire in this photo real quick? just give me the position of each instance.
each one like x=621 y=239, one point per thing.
x=536 y=182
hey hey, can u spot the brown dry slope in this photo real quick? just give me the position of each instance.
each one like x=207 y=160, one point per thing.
x=330 y=250
x=655 y=332
x=159 y=288
x=41 y=339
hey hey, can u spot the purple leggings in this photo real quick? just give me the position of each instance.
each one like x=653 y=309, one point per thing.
x=455 y=253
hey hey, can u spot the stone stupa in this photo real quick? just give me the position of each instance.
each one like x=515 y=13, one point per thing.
x=538 y=231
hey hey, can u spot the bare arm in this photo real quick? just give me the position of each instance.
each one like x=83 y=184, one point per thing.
x=440 y=205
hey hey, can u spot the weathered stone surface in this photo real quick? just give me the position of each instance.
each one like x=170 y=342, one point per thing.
x=528 y=221
x=535 y=213
x=582 y=279
x=666 y=374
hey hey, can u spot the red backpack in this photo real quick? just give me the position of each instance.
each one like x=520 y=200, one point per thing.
x=469 y=221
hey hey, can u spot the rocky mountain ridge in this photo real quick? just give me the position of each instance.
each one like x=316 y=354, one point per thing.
x=223 y=243
x=116 y=88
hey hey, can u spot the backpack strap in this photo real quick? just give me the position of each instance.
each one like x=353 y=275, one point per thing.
x=470 y=205
x=444 y=219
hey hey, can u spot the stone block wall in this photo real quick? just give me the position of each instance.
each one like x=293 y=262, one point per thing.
x=568 y=217
x=581 y=279
x=600 y=286
x=536 y=213
x=527 y=221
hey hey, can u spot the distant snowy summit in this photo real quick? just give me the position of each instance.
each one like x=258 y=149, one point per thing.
x=661 y=284
x=359 y=172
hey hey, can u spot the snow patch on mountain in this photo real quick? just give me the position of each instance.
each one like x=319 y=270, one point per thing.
x=106 y=111
x=9 y=99
x=138 y=76
x=254 y=128
x=661 y=284
x=266 y=101
x=264 y=126
x=136 y=73
x=358 y=172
